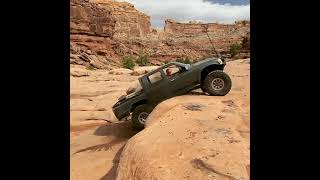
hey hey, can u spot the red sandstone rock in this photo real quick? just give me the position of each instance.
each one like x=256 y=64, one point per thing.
x=87 y=18
x=129 y=21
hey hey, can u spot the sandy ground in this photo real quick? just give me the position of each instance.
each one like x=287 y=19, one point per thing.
x=97 y=138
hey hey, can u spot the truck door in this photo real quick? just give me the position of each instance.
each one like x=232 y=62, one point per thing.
x=156 y=86
x=182 y=80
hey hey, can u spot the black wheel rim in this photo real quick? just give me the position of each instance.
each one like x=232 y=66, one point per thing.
x=143 y=117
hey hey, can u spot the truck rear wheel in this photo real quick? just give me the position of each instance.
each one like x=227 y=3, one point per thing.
x=216 y=83
x=140 y=115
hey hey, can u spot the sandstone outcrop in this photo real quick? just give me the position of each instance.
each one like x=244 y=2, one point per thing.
x=87 y=18
x=195 y=136
x=78 y=72
x=246 y=42
x=91 y=28
x=222 y=35
x=120 y=71
x=188 y=138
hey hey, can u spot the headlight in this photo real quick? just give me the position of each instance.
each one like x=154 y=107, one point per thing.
x=220 y=61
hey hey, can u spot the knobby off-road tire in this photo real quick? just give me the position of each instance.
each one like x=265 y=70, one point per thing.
x=140 y=115
x=216 y=83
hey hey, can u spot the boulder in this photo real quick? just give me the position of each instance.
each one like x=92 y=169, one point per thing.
x=78 y=72
x=188 y=138
x=120 y=71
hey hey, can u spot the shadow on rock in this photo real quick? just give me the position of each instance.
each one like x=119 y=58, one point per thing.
x=196 y=93
x=103 y=146
x=118 y=130
x=122 y=131
x=111 y=175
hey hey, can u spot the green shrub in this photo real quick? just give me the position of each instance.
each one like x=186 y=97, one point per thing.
x=181 y=60
x=143 y=59
x=187 y=60
x=166 y=61
x=234 y=49
x=91 y=68
x=128 y=62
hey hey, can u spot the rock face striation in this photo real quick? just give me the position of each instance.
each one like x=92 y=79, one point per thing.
x=91 y=34
x=129 y=21
x=88 y=19
x=222 y=34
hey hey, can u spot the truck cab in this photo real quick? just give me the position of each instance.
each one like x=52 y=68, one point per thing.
x=158 y=85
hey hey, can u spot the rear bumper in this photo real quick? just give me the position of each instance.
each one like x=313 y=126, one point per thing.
x=121 y=111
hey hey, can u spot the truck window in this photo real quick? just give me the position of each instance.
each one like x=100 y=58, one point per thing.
x=155 y=77
x=172 y=70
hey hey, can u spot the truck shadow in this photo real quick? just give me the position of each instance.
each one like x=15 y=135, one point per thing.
x=196 y=93
x=119 y=133
x=111 y=174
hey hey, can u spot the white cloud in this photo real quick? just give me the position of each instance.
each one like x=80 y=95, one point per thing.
x=187 y=10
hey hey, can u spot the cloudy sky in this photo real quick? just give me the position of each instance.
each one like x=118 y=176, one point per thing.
x=222 y=11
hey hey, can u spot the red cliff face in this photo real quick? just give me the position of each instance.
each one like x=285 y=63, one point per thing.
x=89 y=19
x=91 y=28
x=101 y=25
x=129 y=21
x=193 y=27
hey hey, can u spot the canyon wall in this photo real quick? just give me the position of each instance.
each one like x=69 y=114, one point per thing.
x=110 y=30
x=193 y=27
x=91 y=33
x=222 y=35
x=91 y=27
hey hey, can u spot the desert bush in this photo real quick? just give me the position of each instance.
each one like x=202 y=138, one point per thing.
x=91 y=68
x=234 y=49
x=143 y=59
x=128 y=62
x=187 y=60
x=166 y=61
x=181 y=60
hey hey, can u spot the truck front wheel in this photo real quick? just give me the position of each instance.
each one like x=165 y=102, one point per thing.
x=140 y=115
x=216 y=83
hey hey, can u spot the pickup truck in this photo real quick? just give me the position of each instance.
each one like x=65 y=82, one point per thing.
x=206 y=74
